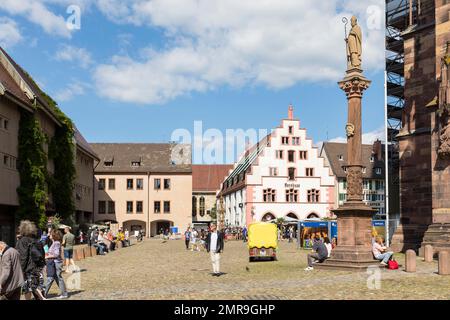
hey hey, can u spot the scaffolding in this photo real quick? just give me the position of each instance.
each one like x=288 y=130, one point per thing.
x=400 y=14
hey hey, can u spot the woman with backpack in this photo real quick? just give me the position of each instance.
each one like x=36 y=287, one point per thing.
x=32 y=260
x=55 y=264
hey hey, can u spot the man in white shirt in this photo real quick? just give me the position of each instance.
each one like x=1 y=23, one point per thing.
x=214 y=245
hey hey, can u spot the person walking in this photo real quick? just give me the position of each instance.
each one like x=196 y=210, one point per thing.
x=54 y=265
x=193 y=239
x=187 y=237
x=81 y=237
x=11 y=275
x=32 y=260
x=244 y=234
x=68 y=242
x=214 y=245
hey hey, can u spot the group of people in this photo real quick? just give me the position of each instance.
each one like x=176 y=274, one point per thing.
x=322 y=250
x=287 y=232
x=237 y=233
x=212 y=241
x=33 y=260
x=106 y=240
x=195 y=240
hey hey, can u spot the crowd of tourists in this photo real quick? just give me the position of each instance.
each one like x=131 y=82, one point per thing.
x=39 y=259
x=36 y=263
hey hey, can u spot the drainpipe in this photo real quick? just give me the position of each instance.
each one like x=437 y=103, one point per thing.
x=93 y=191
x=148 y=205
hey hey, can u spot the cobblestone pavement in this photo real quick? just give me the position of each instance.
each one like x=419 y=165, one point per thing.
x=156 y=269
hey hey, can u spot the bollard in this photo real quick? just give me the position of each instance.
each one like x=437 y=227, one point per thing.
x=410 y=261
x=428 y=253
x=87 y=252
x=78 y=254
x=444 y=263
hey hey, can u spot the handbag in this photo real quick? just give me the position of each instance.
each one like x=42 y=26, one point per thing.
x=392 y=265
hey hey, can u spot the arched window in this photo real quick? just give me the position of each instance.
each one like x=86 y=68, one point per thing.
x=194 y=206
x=312 y=216
x=202 y=206
x=292 y=215
x=268 y=217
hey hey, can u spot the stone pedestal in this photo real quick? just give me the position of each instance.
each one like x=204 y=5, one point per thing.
x=438 y=236
x=354 y=249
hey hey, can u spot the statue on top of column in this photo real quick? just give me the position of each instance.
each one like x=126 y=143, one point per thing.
x=444 y=106
x=354 y=45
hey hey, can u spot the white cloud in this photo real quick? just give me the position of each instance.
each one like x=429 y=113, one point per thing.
x=9 y=33
x=73 y=54
x=235 y=43
x=37 y=12
x=367 y=138
x=75 y=88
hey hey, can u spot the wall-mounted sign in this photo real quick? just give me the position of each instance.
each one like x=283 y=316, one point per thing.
x=292 y=185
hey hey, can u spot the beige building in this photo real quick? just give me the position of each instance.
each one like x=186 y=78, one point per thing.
x=19 y=93
x=143 y=186
x=85 y=160
x=206 y=180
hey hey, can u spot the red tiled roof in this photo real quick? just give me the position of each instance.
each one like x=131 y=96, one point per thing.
x=209 y=177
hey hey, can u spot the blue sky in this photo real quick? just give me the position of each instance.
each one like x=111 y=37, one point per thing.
x=137 y=70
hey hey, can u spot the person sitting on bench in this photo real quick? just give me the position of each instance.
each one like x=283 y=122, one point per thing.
x=320 y=253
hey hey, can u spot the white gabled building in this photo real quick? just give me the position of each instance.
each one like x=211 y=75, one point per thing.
x=282 y=175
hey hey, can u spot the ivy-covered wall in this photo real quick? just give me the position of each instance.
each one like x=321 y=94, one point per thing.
x=32 y=166
x=35 y=181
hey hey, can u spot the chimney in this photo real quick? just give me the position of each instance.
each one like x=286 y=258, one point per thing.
x=377 y=150
x=291 y=112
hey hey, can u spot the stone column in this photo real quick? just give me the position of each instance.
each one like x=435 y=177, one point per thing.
x=354 y=218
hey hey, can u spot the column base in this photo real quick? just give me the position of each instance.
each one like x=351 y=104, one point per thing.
x=356 y=258
x=438 y=236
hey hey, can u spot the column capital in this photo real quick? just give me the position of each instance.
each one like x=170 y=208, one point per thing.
x=354 y=83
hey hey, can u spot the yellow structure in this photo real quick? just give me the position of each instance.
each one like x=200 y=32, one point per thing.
x=262 y=240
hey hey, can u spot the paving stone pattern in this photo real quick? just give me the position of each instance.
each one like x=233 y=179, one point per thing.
x=156 y=269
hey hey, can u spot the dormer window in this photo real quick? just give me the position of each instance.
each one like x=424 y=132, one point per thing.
x=372 y=159
x=341 y=157
x=136 y=161
x=109 y=161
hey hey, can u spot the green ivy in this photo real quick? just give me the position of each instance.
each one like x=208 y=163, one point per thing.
x=62 y=150
x=32 y=166
x=36 y=183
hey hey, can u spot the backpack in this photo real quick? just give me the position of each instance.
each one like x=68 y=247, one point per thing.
x=36 y=254
x=392 y=265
